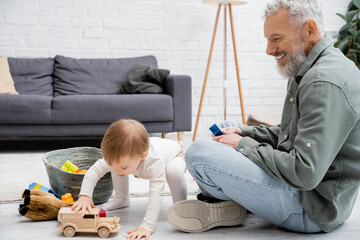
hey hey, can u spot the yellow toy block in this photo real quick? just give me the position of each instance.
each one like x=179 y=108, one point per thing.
x=69 y=167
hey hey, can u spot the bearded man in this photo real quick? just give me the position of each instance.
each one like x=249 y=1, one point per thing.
x=302 y=175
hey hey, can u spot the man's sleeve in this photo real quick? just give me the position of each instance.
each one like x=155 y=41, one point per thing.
x=262 y=133
x=326 y=119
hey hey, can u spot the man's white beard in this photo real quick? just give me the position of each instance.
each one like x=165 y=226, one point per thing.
x=295 y=61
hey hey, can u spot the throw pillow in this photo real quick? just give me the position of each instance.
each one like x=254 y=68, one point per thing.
x=32 y=75
x=6 y=81
x=144 y=79
x=74 y=76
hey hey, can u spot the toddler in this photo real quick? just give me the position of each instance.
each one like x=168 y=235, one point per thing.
x=127 y=149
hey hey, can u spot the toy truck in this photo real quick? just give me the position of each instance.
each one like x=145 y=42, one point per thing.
x=94 y=222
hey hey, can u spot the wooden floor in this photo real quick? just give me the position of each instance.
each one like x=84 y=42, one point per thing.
x=15 y=226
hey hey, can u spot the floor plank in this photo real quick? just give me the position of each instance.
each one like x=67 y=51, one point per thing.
x=15 y=226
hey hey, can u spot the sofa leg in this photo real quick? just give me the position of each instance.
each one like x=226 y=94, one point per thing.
x=180 y=136
x=163 y=135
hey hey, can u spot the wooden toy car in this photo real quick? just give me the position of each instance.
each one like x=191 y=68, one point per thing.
x=94 y=222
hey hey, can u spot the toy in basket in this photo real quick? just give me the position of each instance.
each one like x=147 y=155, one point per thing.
x=63 y=182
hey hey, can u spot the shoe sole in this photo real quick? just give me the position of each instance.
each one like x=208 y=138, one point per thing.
x=197 y=216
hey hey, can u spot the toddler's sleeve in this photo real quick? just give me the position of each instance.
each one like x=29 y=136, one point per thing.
x=92 y=176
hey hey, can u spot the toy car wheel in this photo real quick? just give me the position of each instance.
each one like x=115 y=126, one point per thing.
x=69 y=231
x=103 y=232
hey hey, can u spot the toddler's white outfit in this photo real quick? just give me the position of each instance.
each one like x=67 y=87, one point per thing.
x=165 y=162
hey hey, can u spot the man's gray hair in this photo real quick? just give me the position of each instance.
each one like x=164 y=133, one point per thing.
x=299 y=10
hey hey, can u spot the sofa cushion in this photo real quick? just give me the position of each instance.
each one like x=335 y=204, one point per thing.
x=32 y=75
x=89 y=109
x=25 y=109
x=266 y=118
x=6 y=81
x=93 y=76
x=66 y=130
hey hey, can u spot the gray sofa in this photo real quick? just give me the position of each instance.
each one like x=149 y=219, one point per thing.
x=64 y=96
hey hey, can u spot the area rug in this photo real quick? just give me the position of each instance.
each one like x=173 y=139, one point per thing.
x=18 y=170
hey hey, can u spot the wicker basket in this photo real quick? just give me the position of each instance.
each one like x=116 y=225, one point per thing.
x=62 y=182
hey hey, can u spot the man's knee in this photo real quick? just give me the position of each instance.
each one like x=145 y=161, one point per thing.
x=228 y=123
x=199 y=152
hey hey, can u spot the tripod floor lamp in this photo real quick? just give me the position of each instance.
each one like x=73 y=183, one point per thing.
x=227 y=5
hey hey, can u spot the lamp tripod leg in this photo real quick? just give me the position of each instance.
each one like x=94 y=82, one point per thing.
x=237 y=65
x=207 y=72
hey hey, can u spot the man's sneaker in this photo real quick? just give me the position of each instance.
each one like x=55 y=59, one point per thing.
x=199 y=216
x=207 y=199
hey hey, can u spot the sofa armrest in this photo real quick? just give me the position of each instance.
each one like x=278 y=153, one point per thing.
x=179 y=87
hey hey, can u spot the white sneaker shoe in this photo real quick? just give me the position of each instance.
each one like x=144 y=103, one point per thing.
x=199 y=216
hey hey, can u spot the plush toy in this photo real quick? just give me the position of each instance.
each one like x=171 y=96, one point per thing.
x=40 y=205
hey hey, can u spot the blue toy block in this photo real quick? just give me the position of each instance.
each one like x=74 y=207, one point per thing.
x=35 y=186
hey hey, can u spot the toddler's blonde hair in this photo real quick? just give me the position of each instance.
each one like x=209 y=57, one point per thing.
x=124 y=138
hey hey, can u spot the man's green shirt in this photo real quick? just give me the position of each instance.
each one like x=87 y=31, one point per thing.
x=316 y=148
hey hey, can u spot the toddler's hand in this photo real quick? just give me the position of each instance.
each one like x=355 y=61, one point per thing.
x=139 y=233
x=83 y=203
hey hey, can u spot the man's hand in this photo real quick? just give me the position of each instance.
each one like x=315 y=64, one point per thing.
x=139 y=233
x=231 y=139
x=231 y=130
x=84 y=203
